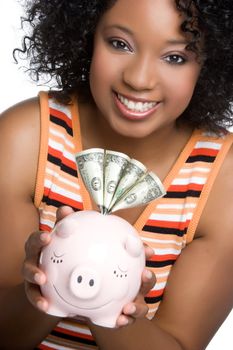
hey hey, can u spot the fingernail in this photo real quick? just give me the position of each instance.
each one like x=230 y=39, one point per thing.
x=148 y=274
x=38 y=278
x=41 y=305
x=124 y=321
x=44 y=237
x=131 y=309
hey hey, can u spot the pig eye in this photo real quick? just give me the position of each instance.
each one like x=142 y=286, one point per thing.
x=119 y=274
x=91 y=283
x=79 y=279
x=57 y=259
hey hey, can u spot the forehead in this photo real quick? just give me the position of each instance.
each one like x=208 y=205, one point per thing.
x=145 y=17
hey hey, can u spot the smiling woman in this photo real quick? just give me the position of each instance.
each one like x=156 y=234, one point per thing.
x=139 y=87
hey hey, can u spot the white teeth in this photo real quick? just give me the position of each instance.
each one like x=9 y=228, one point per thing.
x=136 y=106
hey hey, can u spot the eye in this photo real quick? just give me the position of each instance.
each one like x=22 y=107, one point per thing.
x=119 y=44
x=175 y=59
x=57 y=258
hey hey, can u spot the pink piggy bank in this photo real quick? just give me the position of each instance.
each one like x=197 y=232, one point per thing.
x=93 y=267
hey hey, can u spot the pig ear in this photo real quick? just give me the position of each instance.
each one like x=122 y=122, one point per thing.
x=64 y=229
x=133 y=245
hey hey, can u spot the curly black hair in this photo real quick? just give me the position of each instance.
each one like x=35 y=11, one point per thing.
x=60 y=46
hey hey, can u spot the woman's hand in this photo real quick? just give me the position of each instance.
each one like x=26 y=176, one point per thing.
x=138 y=308
x=33 y=276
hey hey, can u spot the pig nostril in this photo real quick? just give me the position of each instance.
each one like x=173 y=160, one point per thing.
x=79 y=279
x=91 y=283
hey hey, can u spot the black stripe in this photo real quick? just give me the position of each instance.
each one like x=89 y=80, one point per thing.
x=57 y=204
x=200 y=158
x=153 y=300
x=73 y=338
x=58 y=121
x=165 y=230
x=160 y=263
x=65 y=168
x=189 y=193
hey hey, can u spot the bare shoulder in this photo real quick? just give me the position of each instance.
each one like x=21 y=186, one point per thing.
x=19 y=144
x=19 y=141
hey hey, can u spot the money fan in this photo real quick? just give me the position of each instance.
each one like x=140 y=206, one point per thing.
x=116 y=181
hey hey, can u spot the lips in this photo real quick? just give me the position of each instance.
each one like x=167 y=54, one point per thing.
x=134 y=109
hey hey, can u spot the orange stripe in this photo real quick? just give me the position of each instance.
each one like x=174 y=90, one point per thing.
x=44 y=347
x=163 y=257
x=61 y=115
x=187 y=187
x=58 y=154
x=204 y=152
x=73 y=333
x=45 y=228
x=155 y=293
x=62 y=199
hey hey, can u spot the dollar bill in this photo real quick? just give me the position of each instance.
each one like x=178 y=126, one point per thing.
x=91 y=168
x=132 y=173
x=114 y=166
x=148 y=188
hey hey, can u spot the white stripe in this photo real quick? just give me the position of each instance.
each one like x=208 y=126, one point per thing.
x=151 y=313
x=59 y=107
x=62 y=191
x=152 y=240
x=192 y=170
x=207 y=144
x=177 y=206
x=60 y=147
x=62 y=179
x=47 y=222
x=167 y=251
x=164 y=274
x=159 y=286
x=75 y=328
x=193 y=179
x=46 y=212
x=54 y=346
x=62 y=136
x=171 y=217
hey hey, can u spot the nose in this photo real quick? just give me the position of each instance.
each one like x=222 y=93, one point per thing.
x=140 y=74
x=84 y=282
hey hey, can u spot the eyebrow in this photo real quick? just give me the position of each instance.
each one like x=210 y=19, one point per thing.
x=118 y=26
x=126 y=30
x=177 y=42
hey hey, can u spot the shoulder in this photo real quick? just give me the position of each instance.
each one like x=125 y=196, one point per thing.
x=19 y=142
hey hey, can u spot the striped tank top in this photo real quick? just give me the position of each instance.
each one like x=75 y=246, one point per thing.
x=167 y=224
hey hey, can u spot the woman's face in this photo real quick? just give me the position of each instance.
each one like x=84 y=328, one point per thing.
x=142 y=78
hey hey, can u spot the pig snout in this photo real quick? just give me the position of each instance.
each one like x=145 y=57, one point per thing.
x=85 y=282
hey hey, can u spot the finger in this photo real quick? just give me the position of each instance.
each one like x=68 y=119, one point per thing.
x=124 y=320
x=63 y=212
x=136 y=310
x=149 y=252
x=34 y=296
x=35 y=243
x=148 y=281
x=32 y=273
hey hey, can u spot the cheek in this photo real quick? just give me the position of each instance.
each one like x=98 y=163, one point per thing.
x=181 y=87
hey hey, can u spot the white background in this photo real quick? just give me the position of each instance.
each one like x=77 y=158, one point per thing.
x=16 y=86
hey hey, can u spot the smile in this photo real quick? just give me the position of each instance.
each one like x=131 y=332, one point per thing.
x=76 y=306
x=136 y=106
x=134 y=109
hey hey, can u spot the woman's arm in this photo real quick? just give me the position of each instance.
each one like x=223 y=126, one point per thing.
x=199 y=292
x=21 y=325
